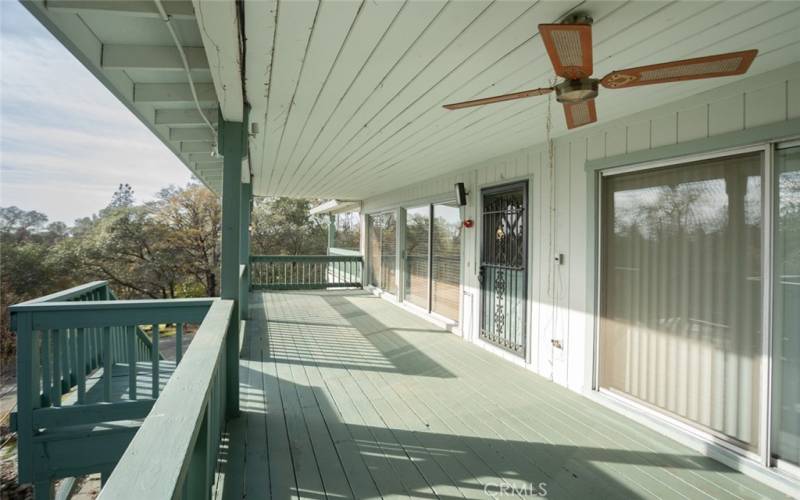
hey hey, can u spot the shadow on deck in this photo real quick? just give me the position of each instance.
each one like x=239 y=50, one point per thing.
x=346 y=396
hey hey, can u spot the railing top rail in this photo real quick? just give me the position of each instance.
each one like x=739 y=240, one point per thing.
x=305 y=258
x=99 y=305
x=171 y=428
x=101 y=313
x=67 y=294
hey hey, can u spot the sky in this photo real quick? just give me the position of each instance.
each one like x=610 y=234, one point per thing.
x=66 y=142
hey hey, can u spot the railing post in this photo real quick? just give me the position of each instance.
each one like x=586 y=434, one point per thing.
x=232 y=142
x=245 y=205
x=27 y=393
x=331 y=232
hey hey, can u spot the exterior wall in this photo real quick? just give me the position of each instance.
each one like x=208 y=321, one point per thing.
x=561 y=216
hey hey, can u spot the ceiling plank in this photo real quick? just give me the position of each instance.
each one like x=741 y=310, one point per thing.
x=333 y=24
x=401 y=34
x=164 y=57
x=140 y=8
x=365 y=34
x=292 y=34
x=167 y=93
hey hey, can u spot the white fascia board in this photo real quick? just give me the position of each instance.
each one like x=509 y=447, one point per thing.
x=219 y=27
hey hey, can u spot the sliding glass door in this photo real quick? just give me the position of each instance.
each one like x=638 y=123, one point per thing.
x=446 y=260
x=786 y=309
x=383 y=251
x=432 y=276
x=681 y=292
x=418 y=229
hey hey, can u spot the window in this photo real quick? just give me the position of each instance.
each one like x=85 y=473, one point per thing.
x=786 y=309
x=432 y=269
x=347 y=233
x=383 y=251
x=681 y=296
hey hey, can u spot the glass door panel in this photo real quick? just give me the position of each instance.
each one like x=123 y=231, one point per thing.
x=446 y=260
x=786 y=319
x=388 y=282
x=374 y=230
x=418 y=226
x=681 y=292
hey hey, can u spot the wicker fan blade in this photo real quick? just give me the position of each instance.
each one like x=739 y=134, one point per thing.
x=733 y=63
x=570 y=49
x=499 y=98
x=580 y=114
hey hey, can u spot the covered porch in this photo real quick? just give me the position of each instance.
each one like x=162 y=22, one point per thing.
x=344 y=395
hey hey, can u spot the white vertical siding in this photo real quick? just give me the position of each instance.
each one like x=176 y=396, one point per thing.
x=557 y=294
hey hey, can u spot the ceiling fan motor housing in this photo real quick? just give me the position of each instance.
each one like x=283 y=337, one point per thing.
x=577 y=91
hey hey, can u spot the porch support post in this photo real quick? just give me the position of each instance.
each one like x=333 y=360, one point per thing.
x=245 y=206
x=232 y=145
x=331 y=232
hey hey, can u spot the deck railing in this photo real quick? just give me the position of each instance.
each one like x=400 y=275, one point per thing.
x=298 y=272
x=84 y=338
x=173 y=455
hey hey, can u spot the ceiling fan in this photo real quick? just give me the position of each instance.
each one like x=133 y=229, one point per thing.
x=569 y=46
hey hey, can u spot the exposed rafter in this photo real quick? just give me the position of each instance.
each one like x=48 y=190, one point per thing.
x=167 y=93
x=191 y=134
x=152 y=57
x=174 y=117
x=196 y=147
x=138 y=8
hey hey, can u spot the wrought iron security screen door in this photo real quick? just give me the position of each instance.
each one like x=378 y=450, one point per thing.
x=503 y=274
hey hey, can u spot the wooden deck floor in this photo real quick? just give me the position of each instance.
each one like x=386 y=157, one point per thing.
x=347 y=396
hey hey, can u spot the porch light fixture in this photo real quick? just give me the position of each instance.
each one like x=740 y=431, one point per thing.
x=461 y=194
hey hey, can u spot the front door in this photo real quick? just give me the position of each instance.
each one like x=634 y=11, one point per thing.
x=503 y=273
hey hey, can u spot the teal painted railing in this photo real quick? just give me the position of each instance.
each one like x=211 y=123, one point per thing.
x=59 y=356
x=174 y=453
x=297 y=272
x=83 y=338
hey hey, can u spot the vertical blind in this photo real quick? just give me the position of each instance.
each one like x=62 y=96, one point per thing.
x=418 y=226
x=681 y=292
x=786 y=324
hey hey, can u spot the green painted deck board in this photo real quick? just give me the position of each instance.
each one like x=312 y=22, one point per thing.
x=347 y=396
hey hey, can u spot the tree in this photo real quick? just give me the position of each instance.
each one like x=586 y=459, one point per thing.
x=193 y=217
x=122 y=197
x=18 y=223
x=283 y=226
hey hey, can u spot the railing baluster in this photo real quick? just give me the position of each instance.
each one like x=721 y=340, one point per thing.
x=81 y=366
x=108 y=364
x=132 y=358
x=155 y=340
x=46 y=380
x=178 y=342
x=73 y=355
x=55 y=388
x=63 y=361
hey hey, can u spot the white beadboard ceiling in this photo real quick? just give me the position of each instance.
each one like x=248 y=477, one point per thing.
x=347 y=96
